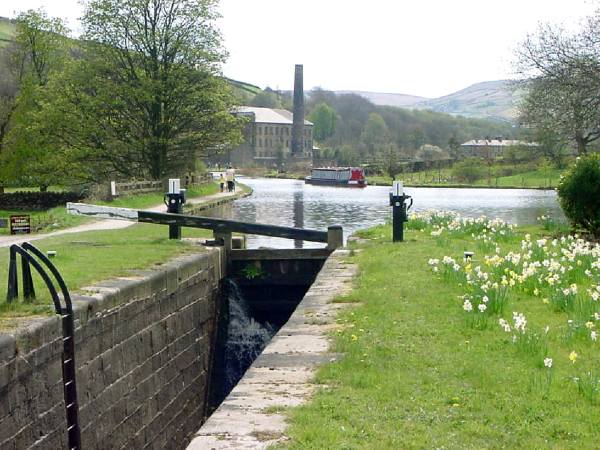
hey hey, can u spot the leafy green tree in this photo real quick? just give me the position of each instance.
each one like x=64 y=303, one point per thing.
x=266 y=99
x=347 y=155
x=375 y=133
x=468 y=170
x=10 y=83
x=324 y=119
x=145 y=100
x=390 y=160
x=579 y=193
x=40 y=50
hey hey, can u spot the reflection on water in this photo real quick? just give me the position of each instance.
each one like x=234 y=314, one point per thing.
x=293 y=203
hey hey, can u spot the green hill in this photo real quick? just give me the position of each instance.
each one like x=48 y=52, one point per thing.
x=487 y=100
x=490 y=99
x=7 y=30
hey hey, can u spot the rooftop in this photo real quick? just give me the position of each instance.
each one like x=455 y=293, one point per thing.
x=268 y=115
x=496 y=143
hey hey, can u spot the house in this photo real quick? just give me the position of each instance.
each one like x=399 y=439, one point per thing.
x=491 y=148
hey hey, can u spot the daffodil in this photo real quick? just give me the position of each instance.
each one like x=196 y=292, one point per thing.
x=573 y=356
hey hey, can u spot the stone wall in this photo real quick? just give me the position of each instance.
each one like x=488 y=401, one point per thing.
x=143 y=347
x=38 y=201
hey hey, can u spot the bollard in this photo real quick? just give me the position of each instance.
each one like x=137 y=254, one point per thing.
x=174 y=199
x=335 y=237
x=399 y=210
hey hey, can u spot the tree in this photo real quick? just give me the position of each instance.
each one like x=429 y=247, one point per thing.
x=390 y=158
x=145 y=100
x=38 y=52
x=563 y=83
x=10 y=83
x=375 y=133
x=324 y=119
x=468 y=170
x=266 y=99
x=579 y=194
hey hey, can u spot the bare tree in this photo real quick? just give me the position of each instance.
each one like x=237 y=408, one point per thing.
x=562 y=73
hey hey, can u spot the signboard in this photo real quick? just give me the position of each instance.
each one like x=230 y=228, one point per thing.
x=20 y=224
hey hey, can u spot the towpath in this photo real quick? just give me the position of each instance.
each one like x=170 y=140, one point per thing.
x=109 y=224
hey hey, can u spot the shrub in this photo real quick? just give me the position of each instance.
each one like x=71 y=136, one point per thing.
x=469 y=170
x=579 y=194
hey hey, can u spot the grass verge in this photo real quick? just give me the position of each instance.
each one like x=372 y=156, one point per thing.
x=86 y=258
x=422 y=372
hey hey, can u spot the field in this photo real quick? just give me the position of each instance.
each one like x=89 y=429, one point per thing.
x=497 y=352
x=542 y=178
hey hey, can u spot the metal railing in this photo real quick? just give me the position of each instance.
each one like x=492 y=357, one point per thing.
x=31 y=256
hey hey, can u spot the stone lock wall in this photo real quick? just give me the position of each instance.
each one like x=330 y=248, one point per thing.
x=143 y=348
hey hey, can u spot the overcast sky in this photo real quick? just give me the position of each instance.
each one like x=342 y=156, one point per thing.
x=427 y=47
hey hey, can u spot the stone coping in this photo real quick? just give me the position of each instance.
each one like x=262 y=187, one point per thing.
x=282 y=375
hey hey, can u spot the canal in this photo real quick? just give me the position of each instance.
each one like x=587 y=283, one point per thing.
x=294 y=203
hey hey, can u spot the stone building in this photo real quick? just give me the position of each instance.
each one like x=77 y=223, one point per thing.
x=491 y=148
x=267 y=140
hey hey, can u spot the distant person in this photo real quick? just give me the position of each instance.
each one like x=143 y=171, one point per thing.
x=230 y=177
x=222 y=182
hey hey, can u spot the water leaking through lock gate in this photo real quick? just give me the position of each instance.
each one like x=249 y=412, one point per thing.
x=251 y=313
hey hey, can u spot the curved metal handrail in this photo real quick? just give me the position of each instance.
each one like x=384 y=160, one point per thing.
x=68 y=330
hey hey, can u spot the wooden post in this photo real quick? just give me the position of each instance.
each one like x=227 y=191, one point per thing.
x=335 y=237
x=225 y=237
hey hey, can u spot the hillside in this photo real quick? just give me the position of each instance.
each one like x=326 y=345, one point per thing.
x=388 y=99
x=489 y=100
x=7 y=30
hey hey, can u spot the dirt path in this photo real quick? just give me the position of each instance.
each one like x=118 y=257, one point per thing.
x=99 y=225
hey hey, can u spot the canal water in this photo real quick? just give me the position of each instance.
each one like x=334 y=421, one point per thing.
x=294 y=203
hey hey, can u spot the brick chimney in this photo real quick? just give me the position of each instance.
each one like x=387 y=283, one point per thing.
x=298 y=125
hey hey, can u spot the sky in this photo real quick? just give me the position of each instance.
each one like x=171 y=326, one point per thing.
x=427 y=48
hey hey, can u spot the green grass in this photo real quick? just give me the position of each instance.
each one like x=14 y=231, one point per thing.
x=536 y=178
x=156 y=198
x=415 y=375
x=7 y=29
x=543 y=178
x=86 y=258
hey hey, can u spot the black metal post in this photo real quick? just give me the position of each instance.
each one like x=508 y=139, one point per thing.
x=28 y=289
x=13 y=284
x=399 y=215
x=174 y=204
x=398 y=221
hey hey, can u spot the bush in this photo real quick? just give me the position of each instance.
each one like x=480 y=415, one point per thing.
x=469 y=170
x=579 y=194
